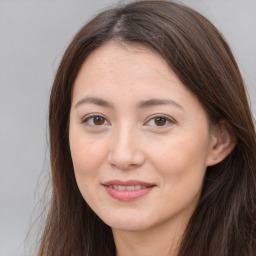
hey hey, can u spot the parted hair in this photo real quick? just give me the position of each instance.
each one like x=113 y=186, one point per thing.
x=224 y=221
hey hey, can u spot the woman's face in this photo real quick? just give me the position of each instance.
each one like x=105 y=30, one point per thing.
x=140 y=141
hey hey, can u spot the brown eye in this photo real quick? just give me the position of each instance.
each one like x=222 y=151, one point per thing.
x=95 y=120
x=98 y=120
x=160 y=121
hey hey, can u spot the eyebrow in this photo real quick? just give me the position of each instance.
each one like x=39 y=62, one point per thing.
x=95 y=101
x=140 y=105
x=157 y=102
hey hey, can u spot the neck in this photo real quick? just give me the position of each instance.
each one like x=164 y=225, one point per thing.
x=162 y=240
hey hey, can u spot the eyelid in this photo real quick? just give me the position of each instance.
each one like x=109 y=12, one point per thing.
x=92 y=115
x=168 y=119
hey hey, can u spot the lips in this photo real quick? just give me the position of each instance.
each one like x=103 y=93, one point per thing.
x=127 y=190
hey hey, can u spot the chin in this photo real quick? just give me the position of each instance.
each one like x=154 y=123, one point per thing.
x=128 y=223
x=127 y=226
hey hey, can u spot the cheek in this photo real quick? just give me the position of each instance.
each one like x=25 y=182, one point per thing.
x=177 y=154
x=182 y=168
x=87 y=155
x=182 y=159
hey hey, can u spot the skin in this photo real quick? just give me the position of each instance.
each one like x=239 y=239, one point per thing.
x=127 y=143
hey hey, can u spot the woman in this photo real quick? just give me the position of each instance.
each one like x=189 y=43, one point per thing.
x=153 y=147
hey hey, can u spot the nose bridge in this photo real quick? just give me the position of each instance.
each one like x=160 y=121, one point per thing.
x=125 y=151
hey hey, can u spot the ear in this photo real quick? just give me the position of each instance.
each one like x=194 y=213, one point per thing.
x=222 y=143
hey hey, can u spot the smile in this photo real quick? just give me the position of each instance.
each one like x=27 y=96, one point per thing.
x=127 y=190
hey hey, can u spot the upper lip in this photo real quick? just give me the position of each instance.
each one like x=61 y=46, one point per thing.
x=127 y=183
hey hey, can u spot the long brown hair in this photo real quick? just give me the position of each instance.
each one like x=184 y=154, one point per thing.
x=224 y=222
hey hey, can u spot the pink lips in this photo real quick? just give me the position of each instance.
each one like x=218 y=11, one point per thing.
x=127 y=190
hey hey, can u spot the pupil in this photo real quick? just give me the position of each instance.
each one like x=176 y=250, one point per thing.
x=160 y=121
x=98 y=120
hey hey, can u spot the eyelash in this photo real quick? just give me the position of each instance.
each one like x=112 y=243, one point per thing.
x=165 y=119
x=91 y=117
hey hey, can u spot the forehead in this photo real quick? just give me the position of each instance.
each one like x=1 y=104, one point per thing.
x=124 y=76
x=123 y=62
x=119 y=49
x=122 y=71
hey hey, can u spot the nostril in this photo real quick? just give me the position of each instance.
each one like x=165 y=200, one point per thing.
x=125 y=152
x=127 y=160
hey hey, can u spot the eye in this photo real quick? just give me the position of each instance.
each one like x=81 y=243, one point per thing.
x=159 y=121
x=95 y=120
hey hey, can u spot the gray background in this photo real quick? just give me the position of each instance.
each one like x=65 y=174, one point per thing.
x=33 y=36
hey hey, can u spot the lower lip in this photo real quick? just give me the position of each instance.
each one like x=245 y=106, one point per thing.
x=126 y=195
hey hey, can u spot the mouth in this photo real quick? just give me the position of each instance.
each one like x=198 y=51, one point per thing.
x=127 y=190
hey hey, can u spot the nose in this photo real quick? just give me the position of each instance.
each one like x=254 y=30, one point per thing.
x=125 y=149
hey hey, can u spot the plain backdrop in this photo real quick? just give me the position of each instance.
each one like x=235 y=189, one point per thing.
x=33 y=37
